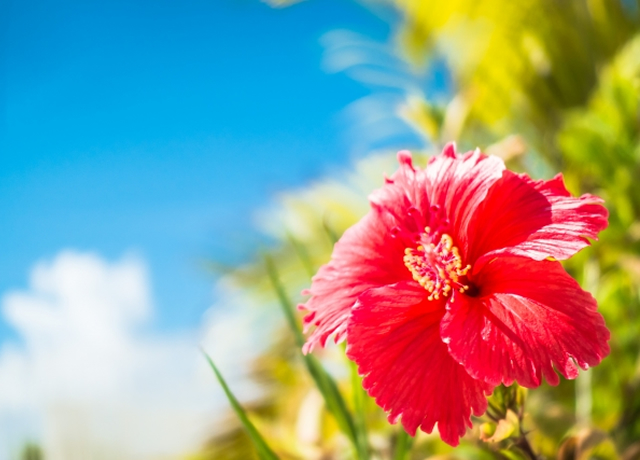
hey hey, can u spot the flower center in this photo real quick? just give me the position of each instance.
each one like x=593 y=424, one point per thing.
x=437 y=267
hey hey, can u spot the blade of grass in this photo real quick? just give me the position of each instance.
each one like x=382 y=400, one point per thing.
x=359 y=409
x=325 y=383
x=333 y=236
x=285 y=302
x=404 y=442
x=262 y=448
x=302 y=254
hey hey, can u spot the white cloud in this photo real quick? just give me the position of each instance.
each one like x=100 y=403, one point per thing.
x=88 y=383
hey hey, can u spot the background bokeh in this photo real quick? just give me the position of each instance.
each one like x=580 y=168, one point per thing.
x=152 y=151
x=137 y=141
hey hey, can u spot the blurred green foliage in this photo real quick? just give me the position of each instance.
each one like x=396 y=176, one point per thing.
x=549 y=85
x=31 y=451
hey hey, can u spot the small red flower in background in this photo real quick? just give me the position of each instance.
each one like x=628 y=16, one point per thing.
x=451 y=285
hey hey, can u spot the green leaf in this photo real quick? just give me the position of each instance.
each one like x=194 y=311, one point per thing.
x=514 y=453
x=359 y=396
x=324 y=382
x=333 y=236
x=505 y=428
x=302 y=254
x=262 y=448
x=285 y=302
x=505 y=398
x=403 y=445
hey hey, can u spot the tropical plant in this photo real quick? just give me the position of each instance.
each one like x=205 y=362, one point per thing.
x=548 y=85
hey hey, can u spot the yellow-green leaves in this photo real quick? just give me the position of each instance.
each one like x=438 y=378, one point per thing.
x=502 y=429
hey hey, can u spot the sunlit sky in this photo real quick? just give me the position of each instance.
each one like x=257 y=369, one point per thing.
x=157 y=128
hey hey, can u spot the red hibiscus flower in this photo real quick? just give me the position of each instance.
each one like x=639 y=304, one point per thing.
x=451 y=285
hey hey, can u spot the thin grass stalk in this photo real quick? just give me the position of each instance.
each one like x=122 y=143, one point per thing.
x=324 y=382
x=359 y=408
x=403 y=445
x=262 y=448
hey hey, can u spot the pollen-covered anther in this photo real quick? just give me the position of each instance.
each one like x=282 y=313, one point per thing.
x=437 y=267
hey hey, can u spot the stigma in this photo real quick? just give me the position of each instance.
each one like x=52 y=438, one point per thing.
x=437 y=267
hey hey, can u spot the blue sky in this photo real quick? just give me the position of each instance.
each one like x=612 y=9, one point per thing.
x=158 y=127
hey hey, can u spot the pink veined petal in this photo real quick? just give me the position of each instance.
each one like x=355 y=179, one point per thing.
x=536 y=219
x=528 y=318
x=458 y=184
x=366 y=256
x=394 y=338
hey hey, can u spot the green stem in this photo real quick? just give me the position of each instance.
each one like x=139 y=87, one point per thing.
x=523 y=443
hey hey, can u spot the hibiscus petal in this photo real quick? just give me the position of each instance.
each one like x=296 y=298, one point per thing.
x=404 y=196
x=458 y=184
x=394 y=338
x=368 y=255
x=536 y=219
x=527 y=318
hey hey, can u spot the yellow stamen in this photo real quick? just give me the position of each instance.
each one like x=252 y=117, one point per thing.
x=437 y=267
